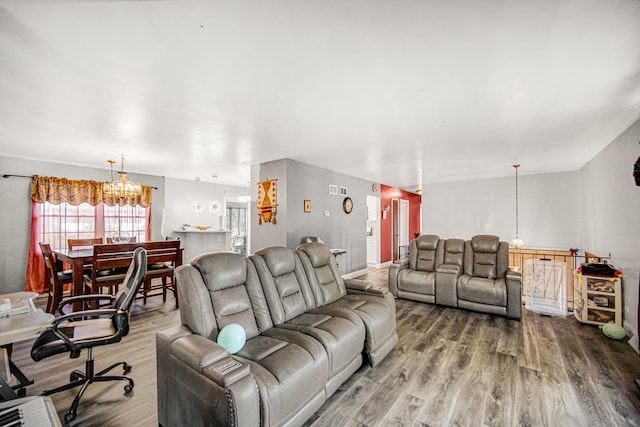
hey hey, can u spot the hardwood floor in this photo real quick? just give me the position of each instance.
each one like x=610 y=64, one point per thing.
x=451 y=367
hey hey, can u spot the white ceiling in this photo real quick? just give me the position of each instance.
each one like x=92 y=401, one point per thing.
x=402 y=92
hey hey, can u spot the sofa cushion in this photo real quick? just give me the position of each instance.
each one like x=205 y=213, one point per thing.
x=284 y=284
x=485 y=243
x=454 y=252
x=420 y=282
x=424 y=253
x=482 y=290
x=290 y=370
x=234 y=292
x=321 y=271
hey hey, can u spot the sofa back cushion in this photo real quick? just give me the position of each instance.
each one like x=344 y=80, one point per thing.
x=322 y=272
x=235 y=291
x=485 y=256
x=284 y=283
x=425 y=253
x=454 y=252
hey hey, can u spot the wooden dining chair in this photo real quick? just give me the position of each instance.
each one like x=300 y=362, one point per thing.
x=57 y=279
x=83 y=243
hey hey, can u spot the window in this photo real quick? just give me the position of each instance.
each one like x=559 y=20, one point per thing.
x=127 y=220
x=236 y=219
x=64 y=221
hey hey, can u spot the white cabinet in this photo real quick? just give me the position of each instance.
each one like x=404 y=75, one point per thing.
x=372 y=250
x=199 y=242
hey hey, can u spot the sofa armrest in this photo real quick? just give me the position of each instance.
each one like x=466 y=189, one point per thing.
x=514 y=294
x=197 y=352
x=394 y=270
x=514 y=275
x=447 y=284
x=362 y=286
x=198 y=381
x=226 y=371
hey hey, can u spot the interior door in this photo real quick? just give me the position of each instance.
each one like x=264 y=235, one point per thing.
x=395 y=225
x=403 y=229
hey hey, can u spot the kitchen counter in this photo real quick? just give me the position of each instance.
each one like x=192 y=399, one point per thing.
x=197 y=242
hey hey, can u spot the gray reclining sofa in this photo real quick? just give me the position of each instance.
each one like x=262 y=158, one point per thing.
x=307 y=332
x=472 y=274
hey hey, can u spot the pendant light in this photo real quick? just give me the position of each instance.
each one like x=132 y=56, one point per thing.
x=517 y=241
x=121 y=188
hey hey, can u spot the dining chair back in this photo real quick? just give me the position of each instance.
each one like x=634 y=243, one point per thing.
x=83 y=243
x=129 y=240
x=56 y=280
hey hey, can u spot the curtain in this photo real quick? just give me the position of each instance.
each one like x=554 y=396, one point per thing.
x=35 y=262
x=59 y=190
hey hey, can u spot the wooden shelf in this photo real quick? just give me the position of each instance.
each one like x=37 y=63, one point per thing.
x=585 y=291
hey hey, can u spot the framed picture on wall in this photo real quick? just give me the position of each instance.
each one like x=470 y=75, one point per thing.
x=333 y=189
x=307 y=206
x=343 y=191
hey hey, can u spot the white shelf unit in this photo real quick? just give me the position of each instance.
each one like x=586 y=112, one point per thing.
x=598 y=299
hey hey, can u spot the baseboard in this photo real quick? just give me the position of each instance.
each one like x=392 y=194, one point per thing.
x=385 y=264
x=633 y=333
x=355 y=274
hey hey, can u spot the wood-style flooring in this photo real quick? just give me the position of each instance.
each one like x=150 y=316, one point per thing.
x=451 y=367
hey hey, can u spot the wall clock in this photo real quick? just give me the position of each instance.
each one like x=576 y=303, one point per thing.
x=347 y=205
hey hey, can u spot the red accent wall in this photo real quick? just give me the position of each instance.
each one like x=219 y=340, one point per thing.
x=386 y=195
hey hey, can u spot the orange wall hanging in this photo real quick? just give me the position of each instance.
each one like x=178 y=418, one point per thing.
x=267 y=201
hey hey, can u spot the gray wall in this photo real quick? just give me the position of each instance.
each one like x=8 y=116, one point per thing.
x=268 y=234
x=15 y=210
x=548 y=207
x=298 y=182
x=610 y=206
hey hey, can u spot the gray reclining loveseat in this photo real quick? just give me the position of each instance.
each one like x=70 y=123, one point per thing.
x=472 y=274
x=307 y=332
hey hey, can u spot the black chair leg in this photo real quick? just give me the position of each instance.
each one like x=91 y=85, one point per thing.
x=125 y=367
x=83 y=379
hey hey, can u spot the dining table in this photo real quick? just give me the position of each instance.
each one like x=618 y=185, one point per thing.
x=77 y=259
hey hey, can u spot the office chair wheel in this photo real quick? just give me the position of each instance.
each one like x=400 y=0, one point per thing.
x=68 y=417
x=128 y=389
x=126 y=368
x=73 y=377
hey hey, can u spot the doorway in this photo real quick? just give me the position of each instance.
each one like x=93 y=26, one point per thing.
x=399 y=229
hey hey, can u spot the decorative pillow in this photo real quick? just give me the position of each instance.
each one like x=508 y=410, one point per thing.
x=613 y=331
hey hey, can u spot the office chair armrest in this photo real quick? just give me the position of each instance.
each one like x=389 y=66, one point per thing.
x=84 y=298
x=62 y=321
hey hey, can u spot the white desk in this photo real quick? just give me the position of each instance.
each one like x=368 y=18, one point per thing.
x=20 y=327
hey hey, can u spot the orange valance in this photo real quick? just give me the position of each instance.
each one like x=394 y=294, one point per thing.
x=59 y=190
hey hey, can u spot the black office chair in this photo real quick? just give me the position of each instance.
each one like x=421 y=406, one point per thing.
x=87 y=329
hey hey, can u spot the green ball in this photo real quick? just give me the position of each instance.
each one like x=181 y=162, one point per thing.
x=613 y=331
x=232 y=337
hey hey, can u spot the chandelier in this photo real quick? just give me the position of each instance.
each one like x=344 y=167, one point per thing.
x=121 y=188
x=517 y=241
